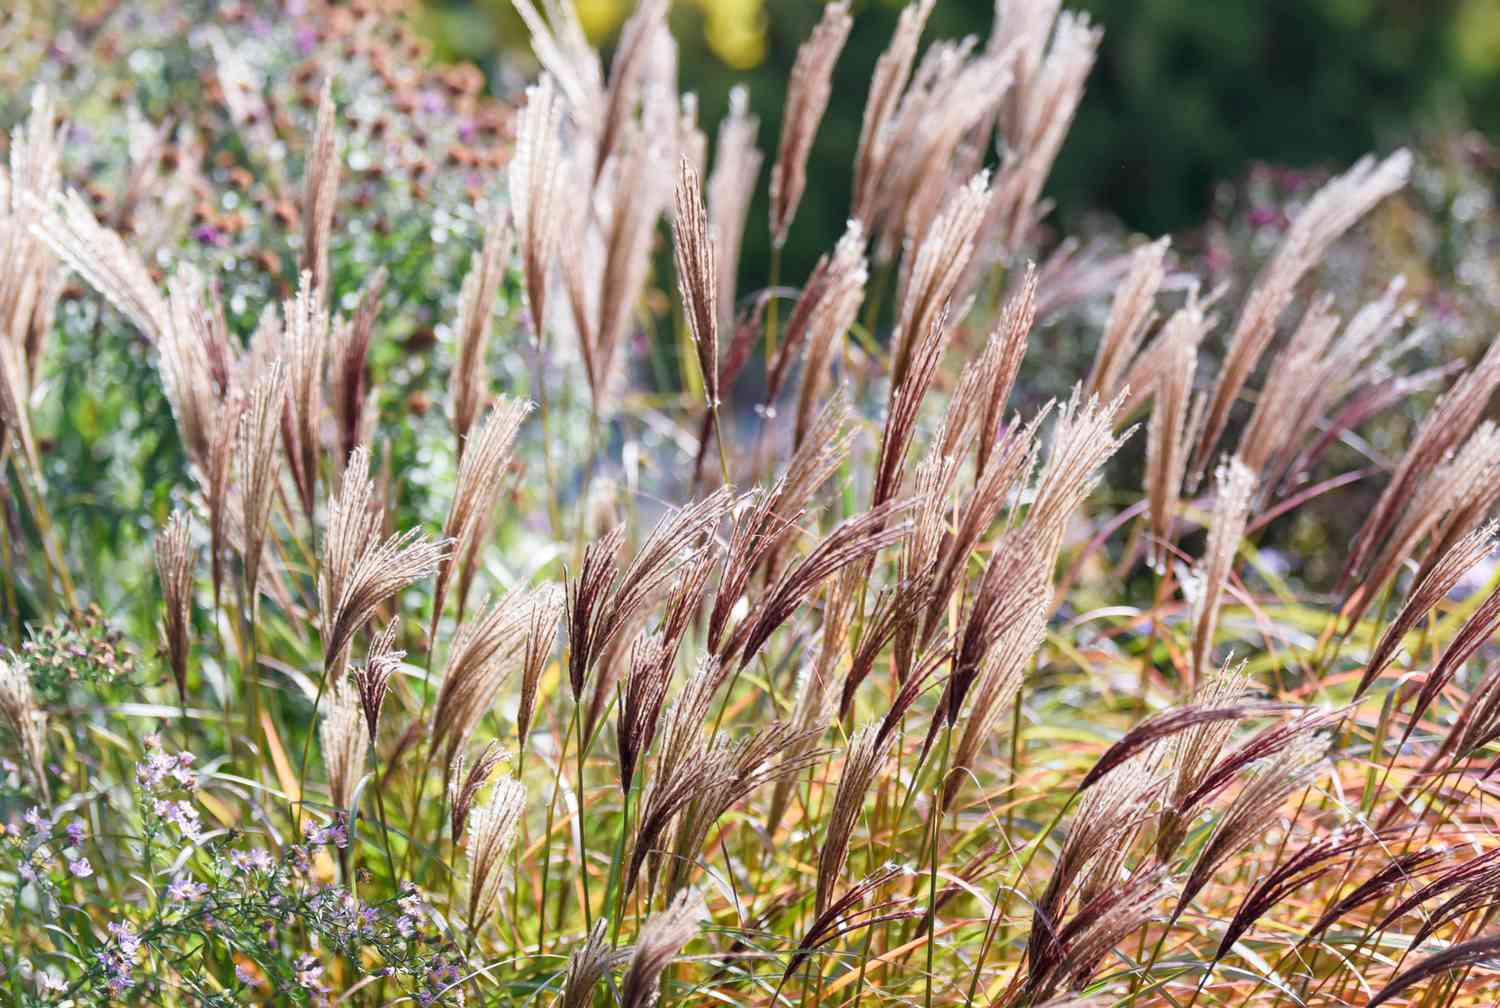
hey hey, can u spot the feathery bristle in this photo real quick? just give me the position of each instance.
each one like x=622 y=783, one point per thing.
x=807 y=94
x=345 y=742
x=465 y=783
x=476 y=302
x=320 y=195
x=1130 y=315
x=731 y=185
x=1231 y=510
x=255 y=460
x=492 y=833
x=536 y=179
x=1331 y=212
x=174 y=569
x=662 y=938
x=373 y=678
x=361 y=572
x=697 y=276
x=27 y=720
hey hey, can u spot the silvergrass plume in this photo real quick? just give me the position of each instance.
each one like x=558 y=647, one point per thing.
x=485 y=651
x=661 y=939
x=697 y=276
x=174 y=569
x=536 y=178
x=27 y=721
x=476 y=307
x=360 y=571
x=1331 y=211
x=373 y=678
x=731 y=185
x=807 y=94
x=465 y=783
x=256 y=463
x=1236 y=483
x=1130 y=315
x=492 y=833
x=320 y=195
x=344 y=740
x=482 y=469
x=541 y=635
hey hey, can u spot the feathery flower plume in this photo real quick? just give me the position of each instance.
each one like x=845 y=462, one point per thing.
x=1002 y=356
x=932 y=282
x=687 y=765
x=562 y=48
x=1226 y=528
x=1434 y=586
x=1034 y=123
x=1278 y=420
x=360 y=572
x=852 y=540
x=662 y=937
x=1083 y=440
x=373 y=678
x=541 y=635
x=731 y=186
x=640 y=708
x=27 y=721
x=1332 y=211
x=105 y=262
x=1254 y=809
x=887 y=84
x=465 y=783
x=844 y=915
x=1447 y=424
x=1130 y=315
x=588 y=965
x=772 y=754
x=637 y=194
x=1073 y=955
x=1476 y=631
x=348 y=377
x=866 y=752
x=904 y=407
x=1093 y=852
x=1014 y=582
x=1194 y=751
x=995 y=689
x=1446 y=488
x=492 y=833
x=485 y=651
x=174 y=568
x=603 y=602
x=1461 y=955
x=832 y=306
x=766 y=520
x=481 y=470
x=626 y=77
x=255 y=460
x=345 y=742
x=807 y=94
x=320 y=195
x=536 y=177
x=1321 y=379
x=304 y=343
x=1167 y=433
x=1184 y=329
x=697 y=276
x=476 y=303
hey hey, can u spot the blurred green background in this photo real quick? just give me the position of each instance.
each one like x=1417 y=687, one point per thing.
x=1186 y=93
